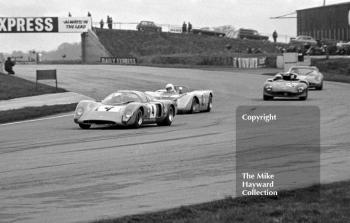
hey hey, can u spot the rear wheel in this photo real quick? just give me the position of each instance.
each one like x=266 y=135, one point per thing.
x=169 y=118
x=194 y=106
x=210 y=104
x=138 y=119
x=84 y=126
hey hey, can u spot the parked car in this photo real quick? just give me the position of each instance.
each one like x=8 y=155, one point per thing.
x=148 y=26
x=303 y=40
x=249 y=34
x=207 y=32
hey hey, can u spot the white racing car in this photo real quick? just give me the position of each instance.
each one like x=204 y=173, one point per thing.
x=309 y=73
x=187 y=101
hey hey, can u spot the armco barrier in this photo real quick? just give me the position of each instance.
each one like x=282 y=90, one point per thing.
x=118 y=60
x=249 y=62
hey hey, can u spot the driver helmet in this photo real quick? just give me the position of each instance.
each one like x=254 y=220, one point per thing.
x=170 y=88
x=293 y=76
x=278 y=77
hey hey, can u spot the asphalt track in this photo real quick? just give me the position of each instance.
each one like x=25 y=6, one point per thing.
x=52 y=171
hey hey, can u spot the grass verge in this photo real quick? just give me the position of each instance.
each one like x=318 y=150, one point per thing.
x=15 y=87
x=323 y=203
x=34 y=112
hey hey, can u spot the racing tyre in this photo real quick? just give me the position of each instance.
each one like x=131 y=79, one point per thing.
x=169 y=118
x=320 y=87
x=210 y=104
x=138 y=119
x=304 y=97
x=194 y=106
x=266 y=97
x=84 y=126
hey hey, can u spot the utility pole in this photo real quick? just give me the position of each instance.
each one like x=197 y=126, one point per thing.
x=324 y=2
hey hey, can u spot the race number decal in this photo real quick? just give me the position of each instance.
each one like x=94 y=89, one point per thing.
x=153 y=110
x=291 y=84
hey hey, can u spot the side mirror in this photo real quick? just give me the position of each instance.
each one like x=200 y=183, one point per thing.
x=269 y=80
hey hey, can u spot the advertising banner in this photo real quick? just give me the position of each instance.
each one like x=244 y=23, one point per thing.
x=44 y=24
x=74 y=24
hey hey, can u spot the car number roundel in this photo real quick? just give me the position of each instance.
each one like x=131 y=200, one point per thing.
x=291 y=84
x=152 y=110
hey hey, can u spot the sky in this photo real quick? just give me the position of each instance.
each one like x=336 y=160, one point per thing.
x=201 y=13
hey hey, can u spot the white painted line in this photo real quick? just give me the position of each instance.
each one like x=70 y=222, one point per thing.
x=35 y=120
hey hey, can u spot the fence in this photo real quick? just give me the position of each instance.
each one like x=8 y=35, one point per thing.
x=249 y=62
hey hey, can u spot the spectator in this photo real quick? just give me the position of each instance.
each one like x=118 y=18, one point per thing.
x=102 y=24
x=109 y=22
x=274 y=36
x=9 y=66
x=184 y=27
x=189 y=27
x=89 y=14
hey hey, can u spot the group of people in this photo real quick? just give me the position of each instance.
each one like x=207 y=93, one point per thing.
x=109 y=22
x=186 y=28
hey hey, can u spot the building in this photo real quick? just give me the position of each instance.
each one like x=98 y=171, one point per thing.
x=330 y=22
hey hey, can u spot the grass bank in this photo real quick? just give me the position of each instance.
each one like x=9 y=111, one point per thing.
x=324 y=203
x=34 y=112
x=12 y=86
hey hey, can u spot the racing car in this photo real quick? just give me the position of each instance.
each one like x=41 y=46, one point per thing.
x=187 y=101
x=285 y=85
x=310 y=73
x=125 y=108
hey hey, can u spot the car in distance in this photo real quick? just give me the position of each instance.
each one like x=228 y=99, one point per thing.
x=309 y=73
x=249 y=34
x=303 y=40
x=207 y=32
x=188 y=101
x=148 y=26
x=125 y=108
x=285 y=85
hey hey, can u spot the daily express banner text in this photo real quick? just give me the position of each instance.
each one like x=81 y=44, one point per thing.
x=44 y=24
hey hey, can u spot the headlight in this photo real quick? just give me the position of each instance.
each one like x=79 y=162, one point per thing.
x=300 y=89
x=79 y=111
x=268 y=88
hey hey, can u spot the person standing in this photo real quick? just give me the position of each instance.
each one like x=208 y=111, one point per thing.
x=184 y=27
x=102 y=24
x=9 y=66
x=274 y=36
x=189 y=27
x=109 y=22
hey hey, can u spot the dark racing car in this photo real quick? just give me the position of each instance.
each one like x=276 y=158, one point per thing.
x=285 y=85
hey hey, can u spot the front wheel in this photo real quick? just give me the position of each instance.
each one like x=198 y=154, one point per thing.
x=210 y=104
x=138 y=119
x=303 y=98
x=169 y=118
x=84 y=126
x=194 y=106
x=320 y=87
